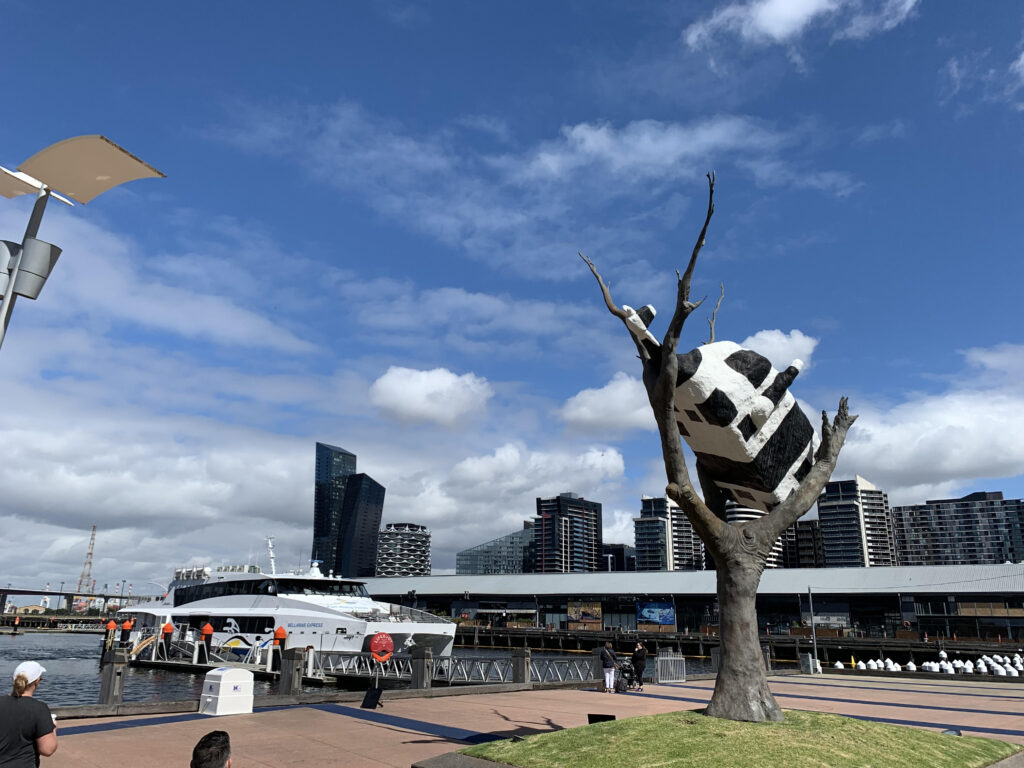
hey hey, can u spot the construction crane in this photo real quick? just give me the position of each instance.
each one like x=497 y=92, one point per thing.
x=86 y=577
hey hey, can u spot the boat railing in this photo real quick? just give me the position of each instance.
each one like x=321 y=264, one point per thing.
x=400 y=613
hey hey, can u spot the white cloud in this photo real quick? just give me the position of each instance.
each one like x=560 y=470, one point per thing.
x=931 y=444
x=894 y=129
x=782 y=348
x=513 y=471
x=780 y=22
x=973 y=77
x=868 y=20
x=102 y=277
x=437 y=395
x=645 y=149
x=1017 y=70
x=529 y=210
x=761 y=21
x=618 y=526
x=619 y=405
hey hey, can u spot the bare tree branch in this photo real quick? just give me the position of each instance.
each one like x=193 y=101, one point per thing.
x=659 y=374
x=641 y=348
x=683 y=304
x=714 y=315
x=604 y=290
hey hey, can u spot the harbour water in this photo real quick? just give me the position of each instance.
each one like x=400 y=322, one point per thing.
x=73 y=673
x=72 y=676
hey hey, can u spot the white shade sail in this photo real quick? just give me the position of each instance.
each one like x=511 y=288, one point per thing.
x=12 y=186
x=86 y=166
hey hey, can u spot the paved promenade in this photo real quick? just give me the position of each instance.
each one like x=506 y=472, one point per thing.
x=406 y=730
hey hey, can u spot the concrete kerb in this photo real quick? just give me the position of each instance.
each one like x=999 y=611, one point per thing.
x=457 y=760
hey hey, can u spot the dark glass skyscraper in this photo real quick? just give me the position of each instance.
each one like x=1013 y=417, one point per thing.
x=347 y=507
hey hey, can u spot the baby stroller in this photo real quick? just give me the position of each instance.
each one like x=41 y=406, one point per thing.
x=627 y=679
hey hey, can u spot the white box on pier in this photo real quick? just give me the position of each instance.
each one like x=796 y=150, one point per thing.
x=226 y=691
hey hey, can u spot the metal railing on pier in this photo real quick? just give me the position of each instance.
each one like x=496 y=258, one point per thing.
x=452 y=669
x=360 y=665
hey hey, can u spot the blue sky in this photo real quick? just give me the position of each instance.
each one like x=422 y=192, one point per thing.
x=368 y=234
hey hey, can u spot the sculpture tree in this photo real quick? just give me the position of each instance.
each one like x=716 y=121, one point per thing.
x=782 y=480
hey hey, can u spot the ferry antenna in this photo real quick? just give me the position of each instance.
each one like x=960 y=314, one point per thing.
x=270 y=551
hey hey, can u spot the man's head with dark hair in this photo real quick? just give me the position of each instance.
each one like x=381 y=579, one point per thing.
x=212 y=751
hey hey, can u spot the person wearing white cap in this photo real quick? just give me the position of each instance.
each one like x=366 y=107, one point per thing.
x=27 y=729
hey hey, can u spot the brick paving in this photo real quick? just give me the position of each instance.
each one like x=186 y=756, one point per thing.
x=407 y=730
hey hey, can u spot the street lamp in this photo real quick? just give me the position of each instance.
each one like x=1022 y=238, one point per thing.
x=82 y=167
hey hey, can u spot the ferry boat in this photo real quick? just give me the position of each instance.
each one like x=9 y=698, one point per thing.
x=244 y=606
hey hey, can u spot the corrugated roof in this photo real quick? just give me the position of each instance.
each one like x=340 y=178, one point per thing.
x=948 y=579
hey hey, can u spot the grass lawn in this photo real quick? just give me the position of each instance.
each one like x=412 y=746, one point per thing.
x=805 y=740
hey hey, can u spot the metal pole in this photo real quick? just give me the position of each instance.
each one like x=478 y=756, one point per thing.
x=7 y=306
x=37 y=214
x=814 y=633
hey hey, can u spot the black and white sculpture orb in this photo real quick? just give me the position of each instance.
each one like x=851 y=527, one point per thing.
x=735 y=410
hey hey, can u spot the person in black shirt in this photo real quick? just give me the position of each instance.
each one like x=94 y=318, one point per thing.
x=609 y=663
x=639 y=662
x=27 y=729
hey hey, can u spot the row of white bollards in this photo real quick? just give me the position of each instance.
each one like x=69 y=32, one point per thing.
x=1000 y=666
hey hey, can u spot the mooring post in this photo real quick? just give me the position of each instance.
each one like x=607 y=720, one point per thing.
x=422 y=667
x=113 y=666
x=596 y=670
x=292 y=666
x=521 y=665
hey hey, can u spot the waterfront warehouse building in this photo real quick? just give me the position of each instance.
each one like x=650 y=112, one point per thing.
x=978 y=528
x=975 y=601
x=505 y=554
x=403 y=549
x=856 y=525
x=347 y=507
x=567 y=535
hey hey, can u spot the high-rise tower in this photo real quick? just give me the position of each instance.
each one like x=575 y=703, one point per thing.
x=665 y=540
x=856 y=525
x=403 y=549
x=347 y=507
x=567 y=535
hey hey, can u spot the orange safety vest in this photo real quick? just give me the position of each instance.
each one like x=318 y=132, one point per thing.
x=111 y=625
x=126 y=625
x=168 y=628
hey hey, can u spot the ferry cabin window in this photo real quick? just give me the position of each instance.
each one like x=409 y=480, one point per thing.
x=196 y=592
x=320 y=587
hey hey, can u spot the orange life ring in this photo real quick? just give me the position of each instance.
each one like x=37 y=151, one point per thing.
x=381 y=657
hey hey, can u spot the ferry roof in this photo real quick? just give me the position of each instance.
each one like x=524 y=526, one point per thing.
x=916 y=580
